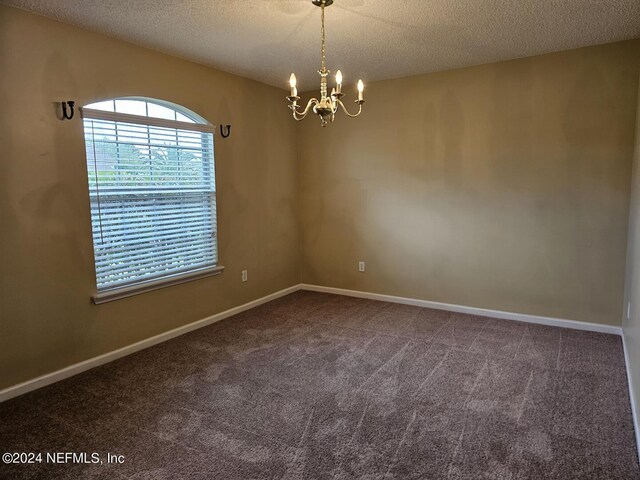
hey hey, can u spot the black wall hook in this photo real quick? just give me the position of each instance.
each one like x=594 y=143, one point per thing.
x=68 y=115
x=222 y=131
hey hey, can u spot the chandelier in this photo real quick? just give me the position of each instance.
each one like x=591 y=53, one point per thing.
x=327 y=106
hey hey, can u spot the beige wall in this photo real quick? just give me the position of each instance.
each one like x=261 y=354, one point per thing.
x=46 y=319
x=632 y=284
x=503 y=186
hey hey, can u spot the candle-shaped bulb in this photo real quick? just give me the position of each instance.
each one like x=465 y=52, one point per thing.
x=360 y=90
x=292 y=82
x=338 y=81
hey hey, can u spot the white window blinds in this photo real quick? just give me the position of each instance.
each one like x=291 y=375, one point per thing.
x=153 y=199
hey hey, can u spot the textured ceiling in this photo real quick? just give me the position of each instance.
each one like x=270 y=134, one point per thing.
x=374 y=39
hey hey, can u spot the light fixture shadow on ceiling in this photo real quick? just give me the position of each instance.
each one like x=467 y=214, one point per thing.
x=272 y=51
x=434 y=37
x=288 y=7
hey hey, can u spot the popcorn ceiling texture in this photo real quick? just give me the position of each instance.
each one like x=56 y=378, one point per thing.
x=374 y=39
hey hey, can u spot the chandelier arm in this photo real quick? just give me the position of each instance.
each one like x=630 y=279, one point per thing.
x=352 y=115
x=334 y=104
x=300 y=115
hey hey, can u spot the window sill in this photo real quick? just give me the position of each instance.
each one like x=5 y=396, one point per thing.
x=124 y=292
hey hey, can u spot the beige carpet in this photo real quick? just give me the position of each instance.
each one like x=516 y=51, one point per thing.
x=320 y=386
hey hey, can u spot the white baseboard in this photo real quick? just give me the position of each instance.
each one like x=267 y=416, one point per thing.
x=44 y=380
x=520 y=317
x=632 y=398
x=49 y=378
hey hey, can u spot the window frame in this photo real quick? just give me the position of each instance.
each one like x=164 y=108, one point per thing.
x=199 y=125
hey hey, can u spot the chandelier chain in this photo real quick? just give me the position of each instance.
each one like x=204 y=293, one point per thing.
x=323 y=38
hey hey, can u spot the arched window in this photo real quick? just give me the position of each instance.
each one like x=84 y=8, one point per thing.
x=151 y=179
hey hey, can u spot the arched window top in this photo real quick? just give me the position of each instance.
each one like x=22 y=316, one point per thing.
x=148 y=107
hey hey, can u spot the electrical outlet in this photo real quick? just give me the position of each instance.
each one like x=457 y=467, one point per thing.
x=244 y=275
x=361 y=266
x=628 y=310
